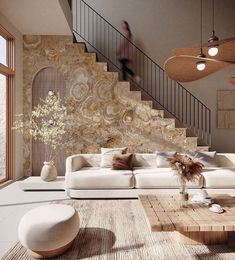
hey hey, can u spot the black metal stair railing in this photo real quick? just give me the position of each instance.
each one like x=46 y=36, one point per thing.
x=169 y=94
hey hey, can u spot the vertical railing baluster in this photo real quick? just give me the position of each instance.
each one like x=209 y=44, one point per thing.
x=93 y=28
x=76 y=18
x=112 y=45
x=84 y=19
x=159 y=84
x=163 y=84
x=151 y=78
x=186 y=107
x=144 y=71
x=96 y=31
x=155 y=82
x=88 y=25
x=182 y=105
x=190 y=110
x=178 y=100
x=209 y=127
x=147 y=76
x=104 y=51
x=202 y=122
x=206 y=132
x=194 y=114
x=198 y=121
x=172 y=100
x=174 y=97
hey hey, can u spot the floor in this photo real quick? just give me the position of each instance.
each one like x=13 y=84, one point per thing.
x=14 y=203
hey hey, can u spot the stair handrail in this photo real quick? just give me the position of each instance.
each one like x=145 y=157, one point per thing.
x=204 y=132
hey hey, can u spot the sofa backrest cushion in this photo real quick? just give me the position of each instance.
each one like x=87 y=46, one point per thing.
x=91 y=160
x=138 y=160
x=207 y=158
x=162 y=158
x=149 y=160
x=144 y=160
x=225 y=159
x=107 y=155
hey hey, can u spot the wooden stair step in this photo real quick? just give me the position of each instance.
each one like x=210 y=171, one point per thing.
x=147 y=103
x=135 y=95
x=91 y=55
x=157 y=113
x=102 y=66
x=112 y=74
x=203 y=148
x=192 y=140
x=175 y=136
x=122 y=87
x=79 y=45
x=163 y=122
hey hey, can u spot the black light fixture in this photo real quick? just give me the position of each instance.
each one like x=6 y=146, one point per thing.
x=201 y=65
x=213 y=48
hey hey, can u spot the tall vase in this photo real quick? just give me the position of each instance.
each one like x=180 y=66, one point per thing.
x=183 y=194
x=49 y=171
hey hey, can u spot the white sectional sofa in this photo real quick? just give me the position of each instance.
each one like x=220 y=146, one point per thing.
x=85 y=178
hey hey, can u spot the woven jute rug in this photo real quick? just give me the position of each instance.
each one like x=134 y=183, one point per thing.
x=117 y=229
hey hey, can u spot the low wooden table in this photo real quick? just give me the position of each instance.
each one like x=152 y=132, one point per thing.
x=193 y=225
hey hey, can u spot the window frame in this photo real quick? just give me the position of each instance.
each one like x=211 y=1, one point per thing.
x=8 y=70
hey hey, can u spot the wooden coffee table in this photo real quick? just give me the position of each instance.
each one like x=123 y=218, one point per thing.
x=193 y=225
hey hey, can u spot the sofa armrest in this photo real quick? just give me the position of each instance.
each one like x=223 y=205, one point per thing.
x=74 y=163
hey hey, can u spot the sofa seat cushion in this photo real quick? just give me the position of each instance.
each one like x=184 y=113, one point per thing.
x=160 y=178
x=147 y=170
x=219 y=178
x=100 y=178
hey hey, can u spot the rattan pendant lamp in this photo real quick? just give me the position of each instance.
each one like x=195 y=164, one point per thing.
x=190 y=63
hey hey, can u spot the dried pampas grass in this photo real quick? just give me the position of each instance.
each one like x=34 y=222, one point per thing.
x=186 y=168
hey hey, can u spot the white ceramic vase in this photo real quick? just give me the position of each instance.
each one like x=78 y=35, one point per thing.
x=49 y=171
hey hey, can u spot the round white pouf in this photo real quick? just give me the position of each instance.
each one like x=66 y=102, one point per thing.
x=49 y=230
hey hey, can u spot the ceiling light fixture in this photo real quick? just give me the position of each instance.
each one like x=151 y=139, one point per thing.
x=213 y=48
x=201 y=65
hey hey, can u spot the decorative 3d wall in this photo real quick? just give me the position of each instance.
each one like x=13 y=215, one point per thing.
x=103 y=112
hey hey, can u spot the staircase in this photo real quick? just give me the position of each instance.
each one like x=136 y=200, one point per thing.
x=156 y=87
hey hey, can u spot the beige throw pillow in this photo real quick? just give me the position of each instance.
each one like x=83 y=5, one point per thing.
x=161 y=158
x=207 y=158
x=107 y=155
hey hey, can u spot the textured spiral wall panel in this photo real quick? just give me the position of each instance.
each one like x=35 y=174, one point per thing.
x=103 y=112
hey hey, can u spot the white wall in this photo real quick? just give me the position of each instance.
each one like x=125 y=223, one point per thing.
x=44 y=17
x=161 y=25
x=18 y=91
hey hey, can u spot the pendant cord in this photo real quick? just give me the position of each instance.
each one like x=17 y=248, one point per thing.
x=213 y=16
x=201 y=26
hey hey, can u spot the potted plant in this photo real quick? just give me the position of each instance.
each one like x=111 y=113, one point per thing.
x=47 y=124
